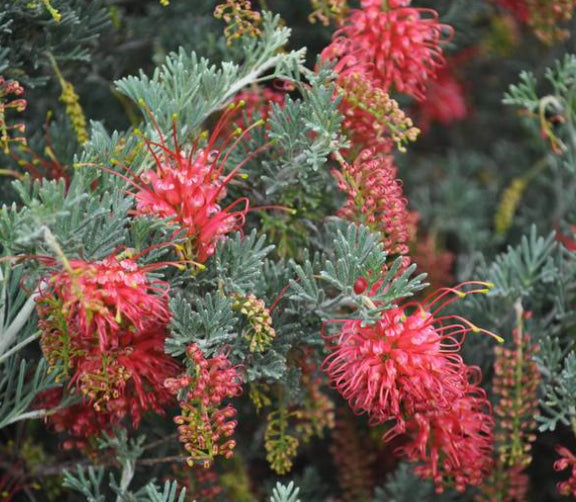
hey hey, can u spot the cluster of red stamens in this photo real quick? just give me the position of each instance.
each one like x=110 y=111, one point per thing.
x=396 y=46
x=405 y=370
x=104 y=325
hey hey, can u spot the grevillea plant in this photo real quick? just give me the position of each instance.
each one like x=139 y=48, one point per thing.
x=306 y=251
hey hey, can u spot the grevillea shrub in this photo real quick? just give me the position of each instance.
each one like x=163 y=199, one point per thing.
x=306 y=251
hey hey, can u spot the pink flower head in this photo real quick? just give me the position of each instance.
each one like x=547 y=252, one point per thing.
x=259 y=100
x=188 y=188
x=105 y=324
x=454 y=444
x=397 y=47
x=405 y=368
x=390 y=4
x=567 y=461
x=129 y=380
x=103 y=303
x=384 y=368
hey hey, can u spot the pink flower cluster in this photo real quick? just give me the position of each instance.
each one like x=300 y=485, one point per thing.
x=80 y=422
x=394 y=47
x=567 y=461
x=386 y=46
x=454 y=444
x=375 y=198
x=405 y=370
x=104 y=325
x=545 y=17
x=398 y=47
x=259 y=101
x=188 y=188
x=204 y=425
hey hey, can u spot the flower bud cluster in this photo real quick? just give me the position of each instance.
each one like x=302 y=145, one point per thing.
x=375 y=198
x=204 y=425
x=261 y=333
x=371 y=117
x=10 y=99
x=326 y=10
x=240 y=18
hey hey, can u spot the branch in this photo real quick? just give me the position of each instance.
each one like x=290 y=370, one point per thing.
x=33 y=415
x=19 y=346
x=42 y=471
x=18 y=323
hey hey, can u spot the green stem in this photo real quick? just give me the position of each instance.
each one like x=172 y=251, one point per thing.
x=517 y=448
x=56 y=69
x=128 y=471
x=18 y=323
x=19 y=346
x=34 y=415
x=50 y=239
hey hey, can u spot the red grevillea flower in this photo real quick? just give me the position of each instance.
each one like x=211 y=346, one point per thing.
x=204 y=425
x=445 y=100
x=103 y=302
x=390 y=4
x=105 y=323
x=385 y=368
x=405 y=369
x=397 y=47
x=518 y=7
x=128 y=380
x=453 y=444
x=80 y=422
x=375 y=198
x=188 y=189
x=567 y=461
